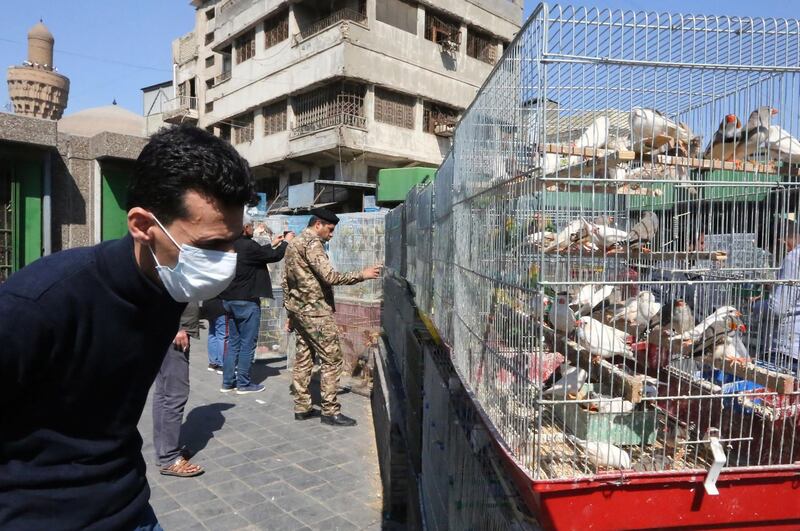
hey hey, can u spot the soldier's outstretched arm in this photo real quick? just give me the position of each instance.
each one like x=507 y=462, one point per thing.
x=319 y=262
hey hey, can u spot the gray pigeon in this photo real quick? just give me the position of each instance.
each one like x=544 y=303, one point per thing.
x=645 y=230
x=682 y=317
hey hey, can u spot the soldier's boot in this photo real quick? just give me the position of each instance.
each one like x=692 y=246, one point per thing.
x=338 y=420
x=307 y=414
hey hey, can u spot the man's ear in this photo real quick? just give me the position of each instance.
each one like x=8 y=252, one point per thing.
x=140 y=221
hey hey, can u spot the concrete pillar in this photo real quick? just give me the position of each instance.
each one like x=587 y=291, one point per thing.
x=290 y=114
x=258 y=125
x=462 y=49
x=420 y=21
x=371 y=12
x=97 y=200
x=47 y=211
x=418 y=112
x=369 y=106
x=294 y=29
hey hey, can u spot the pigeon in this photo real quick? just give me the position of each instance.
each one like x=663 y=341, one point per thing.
x=594 y=136
x=603 y=455
x=639 y=310
x=570 y=382
x=608 y=221
x=647 y=124
x=782 y=145
x=755 y=133
x=682 y=318
x=604 y=236
x=614 y=405
x=590 y=296
x=724 y=142
x=602 y=340
x=644 y=230
x=714 y=324
x=562 y=316
x=653 y=463
x=573 y=232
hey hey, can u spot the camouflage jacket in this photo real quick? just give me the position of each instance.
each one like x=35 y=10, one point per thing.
x=309 y=279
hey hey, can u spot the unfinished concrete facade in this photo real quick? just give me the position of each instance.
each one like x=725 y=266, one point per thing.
x=336 y=89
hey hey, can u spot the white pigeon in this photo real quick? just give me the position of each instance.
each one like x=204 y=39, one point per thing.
x=604 y=236
x=570 y=382
x=584 y=295
x=574 y=231
x=731 y=348
x=562 y=316
x=646 y=124
x=550 y=162
x=614 y=405
x=602 y=340
x=782 y=145
x=715 y=321
x=603 y=455
x=594 y=136
x=640 y=309
x=541 y=238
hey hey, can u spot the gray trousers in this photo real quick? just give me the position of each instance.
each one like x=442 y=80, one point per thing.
x=169 y=398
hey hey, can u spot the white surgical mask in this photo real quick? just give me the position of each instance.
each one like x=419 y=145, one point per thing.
x=199 y=275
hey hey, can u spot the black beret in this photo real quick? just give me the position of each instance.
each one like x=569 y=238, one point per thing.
x=325 y=215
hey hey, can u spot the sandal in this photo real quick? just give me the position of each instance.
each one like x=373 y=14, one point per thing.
x=182 y=468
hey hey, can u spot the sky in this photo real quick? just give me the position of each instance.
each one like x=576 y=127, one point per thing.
x=111 y=49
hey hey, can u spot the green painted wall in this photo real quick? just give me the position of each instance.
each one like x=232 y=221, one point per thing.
x=114 y=196
x=26 y=170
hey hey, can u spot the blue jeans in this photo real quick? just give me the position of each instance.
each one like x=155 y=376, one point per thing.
x=149 y=522
x=217 y=340
x=243 y=321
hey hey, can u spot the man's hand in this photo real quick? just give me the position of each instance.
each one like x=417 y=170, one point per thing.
x=276 y=241
x=289 y=236
x=182 y=341
x=372 y=272
x=288 y=326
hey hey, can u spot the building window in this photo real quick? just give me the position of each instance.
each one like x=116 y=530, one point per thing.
x=393 y=108
x=225 y=131
x=314 y=17
x=242 y=127
x=210 y=83
x=440 y=28
x=481 y=46
x=210 y=14
x=210 y=106
x=438 y=119
x=276 y=29
x=210 y=60
x=327 y=173
x=338 y=104
x=398 y=13
x=296 y=177
x=245 y=46
x=274 y=118
x=209 y=38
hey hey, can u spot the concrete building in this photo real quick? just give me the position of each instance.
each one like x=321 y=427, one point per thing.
x=336 y=89
x=155 y=100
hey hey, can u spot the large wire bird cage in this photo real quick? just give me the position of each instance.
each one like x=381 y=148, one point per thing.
x=610 y=265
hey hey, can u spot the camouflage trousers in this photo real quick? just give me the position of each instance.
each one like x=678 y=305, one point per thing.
x=316 y=336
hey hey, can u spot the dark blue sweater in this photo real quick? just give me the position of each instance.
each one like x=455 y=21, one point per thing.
x=82 y=336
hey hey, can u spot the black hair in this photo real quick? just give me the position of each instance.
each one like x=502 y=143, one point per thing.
x=182 y=158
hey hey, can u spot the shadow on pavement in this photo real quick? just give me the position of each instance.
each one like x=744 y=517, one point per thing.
x=200 y=425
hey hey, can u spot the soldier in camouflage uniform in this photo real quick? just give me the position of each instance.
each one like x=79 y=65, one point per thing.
x=308 y=298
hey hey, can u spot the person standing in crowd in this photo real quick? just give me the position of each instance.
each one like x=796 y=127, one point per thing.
x=84 y=332
x=308 y=299
x=242 y=303
x=170 y=394
x=217 y=333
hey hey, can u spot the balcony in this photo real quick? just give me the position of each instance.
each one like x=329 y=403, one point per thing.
x=180 y=110
x=332 y=106
x=340 y=15
x=222 y=78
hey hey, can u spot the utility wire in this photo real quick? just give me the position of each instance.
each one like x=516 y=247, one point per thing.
x=99 y=59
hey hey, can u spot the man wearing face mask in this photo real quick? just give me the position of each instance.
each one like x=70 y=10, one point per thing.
x=242 y=303
x=308 y=291
x=84 y=333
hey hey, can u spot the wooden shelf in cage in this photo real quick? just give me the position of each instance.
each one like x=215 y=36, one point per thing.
x=608 y=155
x=600 y=187
x=783 y=384
x=713 y=164
x=631 y=385
x=645 y=254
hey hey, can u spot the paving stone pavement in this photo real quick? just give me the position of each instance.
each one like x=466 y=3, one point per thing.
x=264 y=470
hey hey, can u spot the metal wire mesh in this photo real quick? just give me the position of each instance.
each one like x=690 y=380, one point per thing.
x=611 y=262
x=424 y=267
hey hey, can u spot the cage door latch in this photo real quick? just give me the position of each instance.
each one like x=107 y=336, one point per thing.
x=718 y=453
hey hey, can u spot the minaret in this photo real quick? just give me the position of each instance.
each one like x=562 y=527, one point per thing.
x=34 y=87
